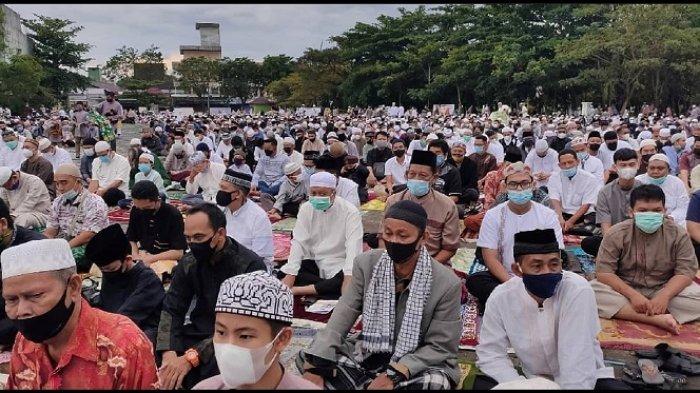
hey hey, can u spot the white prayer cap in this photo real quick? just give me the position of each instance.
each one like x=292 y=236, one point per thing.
x=665 y=133
x=197 y=158
x=541 y=145
x=660 y=157
x=332 y=135
x=647 y=142
x=644 y=135
x=101 y=146
x=44 y=144
x=69 y=169
x=291 y=167
x=147 y=156
x=578 y=141
x=159 y=129
x=36 y=256
x=250 y=133
x=322 y=179
x=288 y=139
x=135 y=142
x=506 y=130
x=431 y=137
x=676 y=137
x=256 y=294
x=537 y=383
x=5 y=174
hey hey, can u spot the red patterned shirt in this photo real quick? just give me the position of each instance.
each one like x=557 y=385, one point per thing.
x=106 y=351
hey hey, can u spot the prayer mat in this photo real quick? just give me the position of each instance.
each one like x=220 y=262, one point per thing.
x=587 y=262
x=374 y=205
x=372 y=220
x=284 y=225
x=175 y=195
x=627 y=335
x=119 y=215
x=299 y=311
x=468 y=372
x=283 y=244
x=463 y=259
x=471 y=323
x=572 y=240
x=301 y=340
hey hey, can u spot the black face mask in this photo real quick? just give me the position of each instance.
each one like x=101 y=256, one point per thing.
x=594 y=146
x=288 y=150
x=611 y=145
x=399 y=153
x=269 y=153
x=401 y=253
x=646 y=157
x=47 y=325
x=696 y=151
x=202 y=252
x=148 y=213
x=223 y=198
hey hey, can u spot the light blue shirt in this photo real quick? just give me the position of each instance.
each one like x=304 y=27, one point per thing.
x=270 y=169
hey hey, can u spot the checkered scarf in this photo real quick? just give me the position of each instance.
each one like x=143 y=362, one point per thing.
x=379 y=308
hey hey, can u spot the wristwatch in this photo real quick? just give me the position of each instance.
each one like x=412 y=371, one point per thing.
x=395 y=376
x=192 y=356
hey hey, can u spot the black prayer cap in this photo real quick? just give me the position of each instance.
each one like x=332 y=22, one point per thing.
x=327 y=163
x=408 y=211
x=594 y=134
x=424 y=157
x=513 y=154
x=539 y=241
x=107 y=246
x=310 y=154
x=610 y=136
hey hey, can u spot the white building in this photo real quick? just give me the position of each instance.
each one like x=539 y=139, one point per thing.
x=16 y=40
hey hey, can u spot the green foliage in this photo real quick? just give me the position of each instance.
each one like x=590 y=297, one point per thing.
x=198 y=74
x=58 y=53
x=121 y=65
x=20 y=83
x=240 y=77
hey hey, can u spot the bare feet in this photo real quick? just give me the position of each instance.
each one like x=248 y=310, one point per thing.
x=667 y=322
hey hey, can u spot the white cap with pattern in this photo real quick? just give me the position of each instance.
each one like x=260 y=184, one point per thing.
x=36 y=256
x=256 y=294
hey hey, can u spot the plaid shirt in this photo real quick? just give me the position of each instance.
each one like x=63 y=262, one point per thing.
x=89 y=215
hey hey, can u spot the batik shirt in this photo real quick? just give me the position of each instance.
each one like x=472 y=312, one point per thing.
x=86 y=213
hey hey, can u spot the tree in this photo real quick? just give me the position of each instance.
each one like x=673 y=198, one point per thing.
x=20 y=83
x=58 y=53
x=274 y=68
x=240 y=77
x=198 y=74
x=121 y=65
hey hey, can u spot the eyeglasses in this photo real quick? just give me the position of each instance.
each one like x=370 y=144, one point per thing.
x=522 y=185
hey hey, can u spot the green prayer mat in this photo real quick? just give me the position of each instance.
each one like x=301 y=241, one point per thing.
x=82 y=264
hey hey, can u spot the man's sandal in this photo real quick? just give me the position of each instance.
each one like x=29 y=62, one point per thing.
x=650 y=372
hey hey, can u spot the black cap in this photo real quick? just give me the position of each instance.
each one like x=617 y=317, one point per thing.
x=107 y=246
x=539 y=241
x=424 y=157
x=408 y=211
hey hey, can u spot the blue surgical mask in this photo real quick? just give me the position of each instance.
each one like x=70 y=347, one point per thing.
x=105 y=159
x=520 y=197
x=310 y=170
x=145 y=168
x=571 y=172
x=11 y=144
x=418 y=188
x=70 y=194
x=657 y=182
x=648 y=222
x=440 y=160
x=320 y=203
x=478 y=149
x=542 y=285
x=582 y=155
x=467 y=138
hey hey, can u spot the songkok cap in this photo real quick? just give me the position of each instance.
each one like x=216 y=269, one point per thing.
x=675 y=137
x=660 y=157
x=44 y=144
x=101 y=146
x=541 y=145
x=593 y=134
x=424 y=157
x=516 y=167
x=291 y=167
x=310 y=154
x=238 y=178
x=513 y=154
x=647 y=142
x=69 y=169
x=135 y=142
x=256 y=294
x=36 y=256
x=5 y=174
x=322 y=179
x=539 y=241
x=288 y=139
x=202 y=146
x=147 y=156
x=197 y=158
x=107 y=246
x=408 y=211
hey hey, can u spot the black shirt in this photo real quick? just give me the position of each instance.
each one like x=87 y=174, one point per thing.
x=449 y=181
x=376 y=158
x=161 y=232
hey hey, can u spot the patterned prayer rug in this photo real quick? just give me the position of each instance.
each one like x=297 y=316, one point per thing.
x=463 y=259
x=374 y=205
x=587 y=262
x=471 y=323
x=119 y=215
x=285 y=225
x=283 y=243
x=626 y=335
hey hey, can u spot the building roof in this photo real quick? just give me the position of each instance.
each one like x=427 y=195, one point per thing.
x=261 y=101
x=200 y=48
x=106 y=86
x=206 y=24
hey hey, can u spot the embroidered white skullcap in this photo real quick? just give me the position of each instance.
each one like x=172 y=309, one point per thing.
x=5 y=174
x=147 y=156
x=69 y=169
x=660 y=157
x=36 y=256
x=665 y=132
x=291 y=167
x=431 y=137
x=578 y=141
x=541 y=145
x=332 y=135
x=537 y=383
x=256 y=294
x=197 y=158
x=675 y=137
x=645 y=135
x=44 y=144
x=647 y=142
x=101 y=146
x=288 y=139
x=322 y=179
x=516 y=167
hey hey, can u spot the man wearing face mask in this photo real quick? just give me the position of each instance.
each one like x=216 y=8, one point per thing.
x=292 y=193
x=251 y=332
x=187 y=348
x=203 y=181
x=443 y=217
x=326 y=238
x=109 y=170
x=610 y=146
x=128 y=287
x=674 y=151
x=76 y=214
x=246 y=221
x=309 y=165
x=312 y=142
x=676 y=196
x=147 y=172
x=92 y=348
x=647 y=148
x=626 y=288
x=485 y=162
x=449 y=181
x=55 y=155
x=177 y=162
x=377 y=158
x=37 y=165
x=10 y=151
x=269 y=172
x=559 y=305
x=345 y=188
x=587 y=162
x=27 y=197
x=396 y=167
x=409 y=305
x=543 y=161
x=354 y=170
x=500 y=224
x=288 y=147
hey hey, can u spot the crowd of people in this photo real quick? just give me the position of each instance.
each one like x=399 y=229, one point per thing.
x=628 y=185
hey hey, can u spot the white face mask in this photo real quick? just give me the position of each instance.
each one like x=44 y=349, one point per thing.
x=89 y=152
x=27 y=153
x=242 y=366
x=627 y=173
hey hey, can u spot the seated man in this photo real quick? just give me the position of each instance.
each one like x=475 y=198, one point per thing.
x=646 y=266
x=326 y=238
x=246 y=221
x=146 y=172
x=237 y=160
x=467 y=171
x=501 y=223
x=676 y=196
x=76 y=214
x=109 y=170
x=203 y=180
x=647 y=148
x=345 y=188
x=10 y=150
x=354 y=170
x=587 y=162
x=292 y=193
x=448 y=181
x=151 y=141
x=548 y=316
x=485 y=162
x=87 y=158
x=396 y=167
x=443 y=217
x=258 y=320
x=573 y=194
x=613 y=205
x=155 y=227
x=269 y=173
x=542 y=160
x=55 y=155
x=129 y=287
x=409 y=304
x=92 y=348
x=27 y=197
x=213 y=157
x=187 y=347
x=692 y=222
x=37 y=165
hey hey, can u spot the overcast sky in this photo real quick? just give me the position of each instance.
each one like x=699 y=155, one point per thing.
x=246 y=30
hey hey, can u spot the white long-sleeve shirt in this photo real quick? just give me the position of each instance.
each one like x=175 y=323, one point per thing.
x=558 y=340
x=250 y=226
x=332 y=238
x=60 y=157
x=12 y=159
x=208 y=181
x=677 y=199
x=547 y=164
x=575 y=192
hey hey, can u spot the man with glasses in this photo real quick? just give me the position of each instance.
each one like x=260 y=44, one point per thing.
x=501 y=223
x=188 y=354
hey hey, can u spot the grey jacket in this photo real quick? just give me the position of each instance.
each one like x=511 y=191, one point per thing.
x=441 y=326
